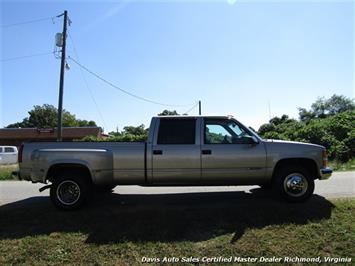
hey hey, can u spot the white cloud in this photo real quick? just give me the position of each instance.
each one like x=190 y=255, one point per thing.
x=109 y=13
x=231 y=2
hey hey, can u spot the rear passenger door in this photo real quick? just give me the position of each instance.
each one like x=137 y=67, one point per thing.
x=176 y=151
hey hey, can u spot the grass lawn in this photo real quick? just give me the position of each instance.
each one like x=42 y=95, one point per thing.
x=122 y=229
x=348 y=166
x=6 y=170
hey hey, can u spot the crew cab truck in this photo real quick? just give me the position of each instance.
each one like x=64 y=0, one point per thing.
x=179 y=151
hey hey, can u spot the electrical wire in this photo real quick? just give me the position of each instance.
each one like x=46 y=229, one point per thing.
x=193 y=107
x=24 y=56
x=122 y=90
x=86 y=83
x=27 y=22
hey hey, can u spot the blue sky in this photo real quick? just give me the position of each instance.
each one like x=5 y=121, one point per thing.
x=234 y=56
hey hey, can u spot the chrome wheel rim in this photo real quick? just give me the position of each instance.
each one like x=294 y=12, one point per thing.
x=295 y=185
x=68 y=192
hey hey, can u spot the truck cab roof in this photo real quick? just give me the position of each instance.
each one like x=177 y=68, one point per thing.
x=195 y=116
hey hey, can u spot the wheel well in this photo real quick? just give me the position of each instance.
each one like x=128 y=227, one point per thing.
x=78 y=169
x=309 y=164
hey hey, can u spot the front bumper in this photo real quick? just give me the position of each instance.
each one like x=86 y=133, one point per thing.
x=325 y=173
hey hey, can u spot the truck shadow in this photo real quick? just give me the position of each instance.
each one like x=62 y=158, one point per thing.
x=163 y=217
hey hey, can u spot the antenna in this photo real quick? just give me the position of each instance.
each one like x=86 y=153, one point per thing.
x=268 y=102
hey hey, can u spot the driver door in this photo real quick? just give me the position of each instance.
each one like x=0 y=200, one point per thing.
x=228 y=156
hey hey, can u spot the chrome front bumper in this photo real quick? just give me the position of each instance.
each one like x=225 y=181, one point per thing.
x=325 y=173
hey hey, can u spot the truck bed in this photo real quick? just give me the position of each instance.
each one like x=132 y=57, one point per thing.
x=109 y=162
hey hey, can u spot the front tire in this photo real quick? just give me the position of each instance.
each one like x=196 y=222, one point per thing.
x=70 y=191
x=294 y=183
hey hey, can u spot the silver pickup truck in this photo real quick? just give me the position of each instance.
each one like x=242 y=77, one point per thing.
x=180 y=151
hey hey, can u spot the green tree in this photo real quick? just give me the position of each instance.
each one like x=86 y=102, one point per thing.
x=305 y=115
x=129 y=133
x=85 y=123
x=323 y=108
x=46 y=116
x=140 y=130
x=330 y=122
x=22 y=124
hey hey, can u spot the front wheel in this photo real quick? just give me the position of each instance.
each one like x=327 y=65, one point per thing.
x=294 y=183
x=70 y=191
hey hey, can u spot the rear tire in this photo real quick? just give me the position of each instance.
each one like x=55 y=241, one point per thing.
x=294 y=183
x=70 y=191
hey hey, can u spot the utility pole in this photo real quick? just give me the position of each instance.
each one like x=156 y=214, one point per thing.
x=199 y=107
x=61 y=80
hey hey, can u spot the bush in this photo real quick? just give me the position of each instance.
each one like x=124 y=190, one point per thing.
x=121 y=138
x=336 y=133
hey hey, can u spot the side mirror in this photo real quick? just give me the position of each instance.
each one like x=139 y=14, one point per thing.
x=245 y=140
x=255 y=140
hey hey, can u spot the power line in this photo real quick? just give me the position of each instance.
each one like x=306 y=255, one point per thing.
x=122 y=90
x=24 y=56
x=27 y=22
x=86 y=83
x=193 y=107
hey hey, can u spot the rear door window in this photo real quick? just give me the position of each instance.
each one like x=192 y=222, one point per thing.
x=177 y=131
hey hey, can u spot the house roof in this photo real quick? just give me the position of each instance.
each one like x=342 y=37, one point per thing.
x=48 y=133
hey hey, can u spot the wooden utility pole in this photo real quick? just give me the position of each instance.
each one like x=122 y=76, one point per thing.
x=61 y=80
x=199 y=107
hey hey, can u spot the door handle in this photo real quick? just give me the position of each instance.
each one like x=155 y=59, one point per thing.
x=206 y=152
x=157 y=152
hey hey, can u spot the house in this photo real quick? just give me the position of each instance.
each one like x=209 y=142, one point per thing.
x=15 y=136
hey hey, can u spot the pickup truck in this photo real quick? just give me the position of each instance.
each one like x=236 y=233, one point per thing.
x=179 y=151
x=8 y=155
